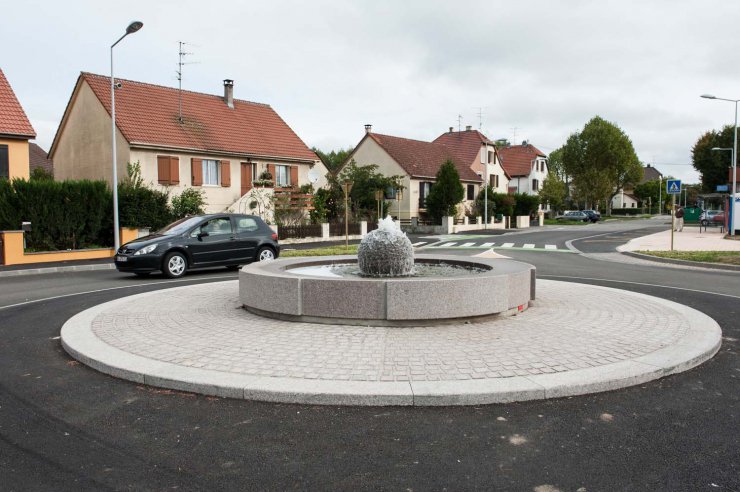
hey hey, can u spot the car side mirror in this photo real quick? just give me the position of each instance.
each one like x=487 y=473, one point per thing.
x=203 y=234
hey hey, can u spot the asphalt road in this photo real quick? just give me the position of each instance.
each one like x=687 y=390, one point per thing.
x=64 y=426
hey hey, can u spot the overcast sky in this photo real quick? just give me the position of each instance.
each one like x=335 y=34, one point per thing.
x=538 y=69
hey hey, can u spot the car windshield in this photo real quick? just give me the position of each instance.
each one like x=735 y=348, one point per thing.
x=181 y=226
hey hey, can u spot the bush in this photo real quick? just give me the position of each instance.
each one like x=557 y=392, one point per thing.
x=139 y=206
x=189 y=202
x=525 y=204
x=504 y=203
x=446 y=193
x=63 y=214
x=41 y=174
x=479 y=207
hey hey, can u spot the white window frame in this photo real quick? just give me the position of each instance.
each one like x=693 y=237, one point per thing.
x=211 y=172
x=284 y=173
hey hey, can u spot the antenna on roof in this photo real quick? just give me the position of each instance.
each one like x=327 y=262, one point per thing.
x=180 y=64
x=513 y=131
x=480 y=114
x=459 y=122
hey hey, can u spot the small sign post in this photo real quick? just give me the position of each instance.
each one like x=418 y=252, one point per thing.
x=673 y=188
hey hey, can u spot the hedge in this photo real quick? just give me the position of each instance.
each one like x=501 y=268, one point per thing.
x=63 y=214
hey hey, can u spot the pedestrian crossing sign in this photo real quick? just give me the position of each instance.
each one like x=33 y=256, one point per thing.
x=673 y=186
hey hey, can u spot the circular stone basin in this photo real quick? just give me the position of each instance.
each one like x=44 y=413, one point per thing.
x=352 y=270
x=470 y=288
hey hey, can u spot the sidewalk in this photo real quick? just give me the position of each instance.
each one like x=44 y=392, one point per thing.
x=690 y=239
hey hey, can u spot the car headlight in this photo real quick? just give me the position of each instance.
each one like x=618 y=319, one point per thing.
x=146 y=250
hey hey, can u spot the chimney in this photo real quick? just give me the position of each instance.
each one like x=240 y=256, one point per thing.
x=368 y=128
x=452 y=129
x=468 y=128
x=229 y=93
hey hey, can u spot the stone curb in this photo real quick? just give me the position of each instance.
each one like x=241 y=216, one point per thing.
x=674 y=261
x=59 y=269
x=700 y=344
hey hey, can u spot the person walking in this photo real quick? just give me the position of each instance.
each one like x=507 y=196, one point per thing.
x=679 y=218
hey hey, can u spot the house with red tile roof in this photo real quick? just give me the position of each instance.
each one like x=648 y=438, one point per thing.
x=526 y=165
x=38 y=158
x=220 y=144
x=418 y=162
x=15 y=132
x=476 y=149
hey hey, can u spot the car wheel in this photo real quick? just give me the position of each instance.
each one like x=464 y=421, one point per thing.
x=265 y=253
x=175 y=265
x=704 y=222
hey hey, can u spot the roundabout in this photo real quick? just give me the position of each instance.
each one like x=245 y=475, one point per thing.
x=575 y=339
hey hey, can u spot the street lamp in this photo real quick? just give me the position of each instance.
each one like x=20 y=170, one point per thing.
x=347 y=187
x=731 y=220
x=378 y=198
x=132 y=28
x=399 y=197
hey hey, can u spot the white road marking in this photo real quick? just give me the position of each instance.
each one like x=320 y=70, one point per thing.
x=529 y=246
x=446 y=244
x=419 y=243
x=550 y=246
x=639 y=283
x=507 y=245
x=487 y=245
x=467 y=245
x=230 y=277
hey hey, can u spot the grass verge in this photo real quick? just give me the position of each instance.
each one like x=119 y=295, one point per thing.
x=727 y=257
x=326 y=251
x=565 y=222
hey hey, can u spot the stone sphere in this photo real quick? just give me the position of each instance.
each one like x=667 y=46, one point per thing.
x=386 y=252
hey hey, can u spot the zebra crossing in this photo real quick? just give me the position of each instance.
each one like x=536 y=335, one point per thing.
x=489 y=245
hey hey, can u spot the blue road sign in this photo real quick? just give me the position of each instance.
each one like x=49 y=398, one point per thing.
x=723 y=188
x=673 y=186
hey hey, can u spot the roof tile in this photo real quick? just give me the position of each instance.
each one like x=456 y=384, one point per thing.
x=422 y=159
x=148 y=114
x=517 y=159
x=13 y=120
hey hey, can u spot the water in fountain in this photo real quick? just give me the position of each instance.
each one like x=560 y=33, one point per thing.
x=386 y=252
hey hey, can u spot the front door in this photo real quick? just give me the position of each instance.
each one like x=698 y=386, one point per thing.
x=212 y=242
x=246 y=178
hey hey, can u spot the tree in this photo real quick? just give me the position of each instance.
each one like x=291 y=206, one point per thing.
x=479 y=206
x=553 y=191
x=713 y=165
x=334 y=159
x=446 y=192
x=601 y=161
x=555 y=164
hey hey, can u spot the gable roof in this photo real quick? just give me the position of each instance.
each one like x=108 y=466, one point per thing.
x=37 y=157
x=649 y=173
x=422 y=159
x=13 y=120
x=517 y=159
x=147 y=114
x=466 y=143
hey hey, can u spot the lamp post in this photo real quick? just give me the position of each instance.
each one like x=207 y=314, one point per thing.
x=132 y=28
x=399 y=197
x=347 y=187
x=731 y=219
x=660 y=195
x=378 y=198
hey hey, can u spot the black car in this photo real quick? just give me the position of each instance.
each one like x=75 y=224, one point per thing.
x=201 y=241
x=593 y=215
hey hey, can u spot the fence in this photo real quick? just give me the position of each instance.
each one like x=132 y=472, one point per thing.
x=2 y=251
x=299 y=231
x=337 y=228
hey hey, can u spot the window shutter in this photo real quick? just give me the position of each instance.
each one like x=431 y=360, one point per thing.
x=294 y=176
x=225 y=173
x=196 y=169
x=163 y=169
x=174 y=170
